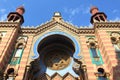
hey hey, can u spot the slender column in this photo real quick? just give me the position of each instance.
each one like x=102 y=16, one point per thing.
x=85 y=73
x=26 y=73
x=24 y=59
x=6 y=47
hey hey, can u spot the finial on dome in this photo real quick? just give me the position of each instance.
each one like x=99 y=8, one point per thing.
x=57 y=16
x=20 y=10
x=94 y=10
x=97 y=16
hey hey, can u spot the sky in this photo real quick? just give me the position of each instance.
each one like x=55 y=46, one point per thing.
x=76 y=12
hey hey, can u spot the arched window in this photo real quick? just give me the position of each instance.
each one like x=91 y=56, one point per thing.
x=115 y=39
x=10 y=74
x=101 y=74
x=92 y=44
x=15 y=59
x=19 y=50
x=94 y=51
x=17 y=55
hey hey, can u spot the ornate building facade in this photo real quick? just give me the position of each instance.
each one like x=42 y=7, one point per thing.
x=57 y=50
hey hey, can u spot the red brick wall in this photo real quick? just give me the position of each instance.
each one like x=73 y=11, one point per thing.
x=6 y=46
x=24 y=59
x=86 y=54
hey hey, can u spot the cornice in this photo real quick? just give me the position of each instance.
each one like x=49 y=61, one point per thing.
x=86 y=31
x=46 y=26
x=52 y=23
x=9 y=24
x=107 y=25
x=28 y=30
x=69 y=26
x=38 y=29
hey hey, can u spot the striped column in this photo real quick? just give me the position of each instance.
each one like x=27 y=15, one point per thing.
x=24 y=59
x=107 y=51
x=86 y=54
x=6 y=47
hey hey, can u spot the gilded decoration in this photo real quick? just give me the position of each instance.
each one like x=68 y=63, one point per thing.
x=57 y=61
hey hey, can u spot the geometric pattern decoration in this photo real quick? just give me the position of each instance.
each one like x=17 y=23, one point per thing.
x=56 y=76
x=43 y=77
x=68 y=76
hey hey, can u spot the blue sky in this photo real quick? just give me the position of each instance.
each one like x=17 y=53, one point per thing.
x=74 y=11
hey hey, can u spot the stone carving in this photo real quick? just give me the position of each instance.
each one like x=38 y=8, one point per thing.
x=92 y=43
x=80 y=69
x=34 y=69
x=57 y=61
x=115 y=37
x=35 y=66
x=20 y=43
x=77 y=66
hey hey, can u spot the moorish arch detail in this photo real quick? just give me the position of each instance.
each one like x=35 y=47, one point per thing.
x=56 y=52
x=77 y=50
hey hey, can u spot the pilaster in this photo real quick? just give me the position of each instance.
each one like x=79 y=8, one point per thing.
x=24 y=59
x=107 y=51
x=6 y=46
x=87 y=59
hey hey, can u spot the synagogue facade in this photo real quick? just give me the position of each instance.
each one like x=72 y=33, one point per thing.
x=58 y=50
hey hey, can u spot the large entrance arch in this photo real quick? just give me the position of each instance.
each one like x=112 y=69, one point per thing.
x=56 y=51
x=74 y=41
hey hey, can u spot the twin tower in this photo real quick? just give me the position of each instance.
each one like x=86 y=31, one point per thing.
x=18 y=15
